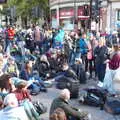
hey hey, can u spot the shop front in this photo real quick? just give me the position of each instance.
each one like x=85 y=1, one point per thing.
x=66 y=18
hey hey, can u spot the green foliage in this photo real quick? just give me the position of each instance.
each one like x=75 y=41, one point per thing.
x=24 y=7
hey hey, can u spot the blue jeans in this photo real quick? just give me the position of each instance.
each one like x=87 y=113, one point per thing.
x=38 y=82
x=71 y=57
x=100 y=69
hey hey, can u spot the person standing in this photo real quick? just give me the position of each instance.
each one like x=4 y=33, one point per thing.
x=101 y=55
x=113 y=70
x=83 y=49
x=38 y=37
x=92 y=43
x=10 y=33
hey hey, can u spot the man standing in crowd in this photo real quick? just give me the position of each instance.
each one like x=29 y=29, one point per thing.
x=83 y=49
x=101 y=55
x=10 y=33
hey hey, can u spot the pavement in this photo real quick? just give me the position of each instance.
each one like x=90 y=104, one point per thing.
x=96 y=113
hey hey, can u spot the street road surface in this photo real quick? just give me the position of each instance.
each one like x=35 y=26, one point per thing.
x=97 y=114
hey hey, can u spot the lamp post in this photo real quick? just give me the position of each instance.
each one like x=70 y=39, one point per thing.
x=90 y=14
x=75 y=14
x=93 y=13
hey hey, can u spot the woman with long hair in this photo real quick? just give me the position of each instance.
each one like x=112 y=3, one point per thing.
x=26 y=73
x=6 y=84
x=113 y=70
x=101 y=55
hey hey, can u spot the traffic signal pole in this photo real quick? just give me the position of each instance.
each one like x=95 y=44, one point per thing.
x=90 y=14
x=74 y=13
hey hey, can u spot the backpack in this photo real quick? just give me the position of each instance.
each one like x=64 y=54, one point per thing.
x=112 y=107
x=69 y=83
x=94 y=97
x=39 y=107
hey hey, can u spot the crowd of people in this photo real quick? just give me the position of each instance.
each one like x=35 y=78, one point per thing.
x=28 y=58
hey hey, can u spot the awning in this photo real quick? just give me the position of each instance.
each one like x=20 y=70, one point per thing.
x=83 y=17
x=66 y=17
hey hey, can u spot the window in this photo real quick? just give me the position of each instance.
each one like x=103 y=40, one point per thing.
x=118 y=15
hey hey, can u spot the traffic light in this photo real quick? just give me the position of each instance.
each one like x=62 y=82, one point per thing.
x=95 y=12
x=8 y=12
x=99 y=4
x=86 y=10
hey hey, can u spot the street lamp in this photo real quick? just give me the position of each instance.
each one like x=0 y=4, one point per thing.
x=74 y=13
x=94 y=11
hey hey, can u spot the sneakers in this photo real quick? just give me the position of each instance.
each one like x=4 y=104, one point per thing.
x=100 y=84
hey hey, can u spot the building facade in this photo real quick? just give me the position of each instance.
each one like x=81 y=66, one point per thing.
x=73 y=14
x=68 y=13
x=113 y=15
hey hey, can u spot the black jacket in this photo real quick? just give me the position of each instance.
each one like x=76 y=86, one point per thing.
x=101 y=54
x=70 y=73
x=42 y=67
x=80 y=72
x=69 y=110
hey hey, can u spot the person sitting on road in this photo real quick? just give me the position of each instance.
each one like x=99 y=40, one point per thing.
x=6 y=84
x=79 y=70
x=28 y=74
x=11 y=67
x=11 y=111
x=70 y=111
x=67 y=72
x=21 y=91
x=42 y=66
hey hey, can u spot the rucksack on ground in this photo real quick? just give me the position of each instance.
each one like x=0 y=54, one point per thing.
x=112 y=107
x=69 y=83
x=94 y=97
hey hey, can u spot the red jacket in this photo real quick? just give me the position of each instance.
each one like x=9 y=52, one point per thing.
x=22 y=94
x=11 y=34
x=115 y=61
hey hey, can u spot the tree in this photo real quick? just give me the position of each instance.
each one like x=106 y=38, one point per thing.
x=24 y=7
